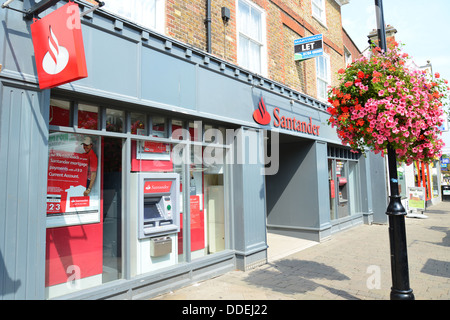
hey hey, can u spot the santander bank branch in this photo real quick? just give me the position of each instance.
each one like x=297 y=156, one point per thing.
x=134 y=164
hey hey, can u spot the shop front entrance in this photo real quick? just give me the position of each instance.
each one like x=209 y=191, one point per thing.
x=292 y=200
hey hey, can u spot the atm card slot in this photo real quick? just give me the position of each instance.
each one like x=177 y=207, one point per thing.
x=150 y=223
x=165 y=222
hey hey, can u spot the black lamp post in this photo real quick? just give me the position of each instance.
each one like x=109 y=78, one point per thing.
x=397 y=233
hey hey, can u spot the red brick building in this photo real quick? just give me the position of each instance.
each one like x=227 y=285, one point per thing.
x=284 y=21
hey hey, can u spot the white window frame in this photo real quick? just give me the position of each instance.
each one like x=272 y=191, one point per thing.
x=262 y=43
x=347 y=57
x=125 y=10
x=322 y=17
x=326 y=79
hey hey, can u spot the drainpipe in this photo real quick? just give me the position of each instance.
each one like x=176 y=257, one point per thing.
x=208 y=26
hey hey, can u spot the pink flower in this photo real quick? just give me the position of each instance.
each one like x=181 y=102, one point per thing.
x=405 y=112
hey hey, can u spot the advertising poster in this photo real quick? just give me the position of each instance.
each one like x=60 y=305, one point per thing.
x=197 y=222
x=73 y=193
x=151 y=155
x=416 y=198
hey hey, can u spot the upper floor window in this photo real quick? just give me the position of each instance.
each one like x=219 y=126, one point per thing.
x=147 y=13
x=251 y=25
x=323 y=76
x=347 y=57
x=318 y=10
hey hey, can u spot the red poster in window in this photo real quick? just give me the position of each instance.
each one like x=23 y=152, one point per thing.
x=197 y=224
x=58 y=47
x=66 y=177
x=155 y=147
x=332 y=189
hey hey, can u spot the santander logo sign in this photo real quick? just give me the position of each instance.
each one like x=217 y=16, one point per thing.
x=58 y=47
x=263 y=117
x=57 y=58
x=157 y=186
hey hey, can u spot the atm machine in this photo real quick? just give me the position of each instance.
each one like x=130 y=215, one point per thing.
x=155 y=220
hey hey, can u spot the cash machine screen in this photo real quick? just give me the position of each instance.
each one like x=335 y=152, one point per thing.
x=157 y=212
x=151 y=210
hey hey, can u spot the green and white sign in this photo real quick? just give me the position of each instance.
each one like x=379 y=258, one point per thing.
x=416 y=198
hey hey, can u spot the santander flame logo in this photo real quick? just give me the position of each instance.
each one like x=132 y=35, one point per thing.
x=58 y=47
x=261 y=115
x=57 y=58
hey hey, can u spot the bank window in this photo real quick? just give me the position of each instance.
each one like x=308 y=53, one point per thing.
x=251 y=37
x=88 y=116
x=148 y=13
x=84 y=212
x=115 y=120
x=202 y=197
x=318 y=10
x=195 y=130
x=138 y=123
x=323 y=76
x=60 y=113
x=159 y=128
x=87 y=195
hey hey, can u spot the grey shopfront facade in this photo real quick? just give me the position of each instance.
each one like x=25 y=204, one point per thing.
x=143 y=76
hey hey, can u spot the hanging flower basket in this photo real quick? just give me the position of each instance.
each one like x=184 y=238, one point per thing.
x=380 y=101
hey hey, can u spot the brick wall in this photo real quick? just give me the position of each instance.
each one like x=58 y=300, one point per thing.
x=286 y=20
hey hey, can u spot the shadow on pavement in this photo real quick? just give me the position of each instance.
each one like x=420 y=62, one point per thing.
x=290 y=276
x=445 y=240
x=436 y=268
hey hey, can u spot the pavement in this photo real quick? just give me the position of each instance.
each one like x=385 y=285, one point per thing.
x=353 y=265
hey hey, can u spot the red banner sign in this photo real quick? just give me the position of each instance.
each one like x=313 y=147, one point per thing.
x=58 y=47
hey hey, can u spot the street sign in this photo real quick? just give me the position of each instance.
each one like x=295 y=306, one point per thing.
x=308 y=47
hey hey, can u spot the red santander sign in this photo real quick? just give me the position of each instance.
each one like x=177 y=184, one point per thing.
x=262 y=116
x=157 y=186
x=58 y=47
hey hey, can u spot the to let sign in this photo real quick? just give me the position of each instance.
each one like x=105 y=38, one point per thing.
x=58 y=47
x=308 y=47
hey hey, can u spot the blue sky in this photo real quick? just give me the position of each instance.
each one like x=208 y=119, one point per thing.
x=422 y=26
